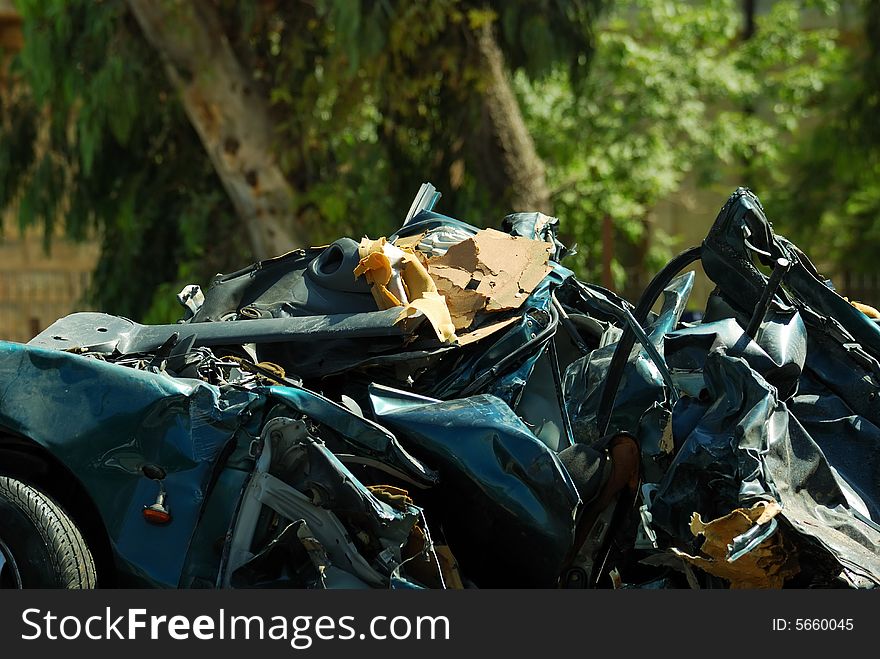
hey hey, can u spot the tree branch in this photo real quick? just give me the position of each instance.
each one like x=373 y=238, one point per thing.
x=519 y=160
x=232 y=120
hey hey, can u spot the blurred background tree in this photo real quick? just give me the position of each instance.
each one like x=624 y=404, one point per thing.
x=194 y=137
x=831 y=191
x=678 y=92
x=141 y=104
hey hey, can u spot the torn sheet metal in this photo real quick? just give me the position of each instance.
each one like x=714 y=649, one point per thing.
x=318 y=345
x=745 y=446
x=310 y=467
x=105 y=422
x=384 y=454
x=363 y=436
x=502 y=363
x=641 y=406
x=848 y=440
x=742 y=233
x=537 y=226
x=297 y=477
x=778 y=352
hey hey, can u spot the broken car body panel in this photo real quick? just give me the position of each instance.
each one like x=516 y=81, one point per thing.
x=308 y=438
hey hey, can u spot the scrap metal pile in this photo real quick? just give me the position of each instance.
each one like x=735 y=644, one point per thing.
x=452 y=407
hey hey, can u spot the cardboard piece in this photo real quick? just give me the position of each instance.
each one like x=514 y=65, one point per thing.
x=492 y=271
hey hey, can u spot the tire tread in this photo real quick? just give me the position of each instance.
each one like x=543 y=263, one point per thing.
x=70 y=556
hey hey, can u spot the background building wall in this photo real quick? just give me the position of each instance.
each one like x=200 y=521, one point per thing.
x=36 y=287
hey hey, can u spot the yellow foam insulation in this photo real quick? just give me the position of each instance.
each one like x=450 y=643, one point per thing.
x=410 y=242
x=767 y=566
x=397 y=278
x=866 y=309
x=492 y=271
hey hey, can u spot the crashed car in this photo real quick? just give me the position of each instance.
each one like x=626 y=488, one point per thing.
x=450 y=407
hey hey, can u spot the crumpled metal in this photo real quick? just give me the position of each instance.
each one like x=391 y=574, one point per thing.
x=786 y=420
x=507 y=504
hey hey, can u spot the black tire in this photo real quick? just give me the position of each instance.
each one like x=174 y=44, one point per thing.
x=40 y=547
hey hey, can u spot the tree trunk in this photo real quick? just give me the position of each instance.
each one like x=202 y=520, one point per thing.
x=519 y=164
x=231 y=118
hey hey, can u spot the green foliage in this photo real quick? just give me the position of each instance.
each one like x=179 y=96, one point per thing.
x=830 y=196
x=17 y=140
x=373 y=97
x=96 y=138
x=673 y=91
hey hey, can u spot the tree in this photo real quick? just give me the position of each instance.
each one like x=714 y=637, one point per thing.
x=521 y=165
x=139 y=125
x=229 y=113
x=674 y=91
x=315 y=118
x=93 y=137
x=829 y=193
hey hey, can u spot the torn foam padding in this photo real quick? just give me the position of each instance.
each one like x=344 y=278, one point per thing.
x=492 y=271
x=866 y=309
x=766 y=566
x=397 y=278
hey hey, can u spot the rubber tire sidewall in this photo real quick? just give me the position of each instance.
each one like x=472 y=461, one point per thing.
x=27 y=536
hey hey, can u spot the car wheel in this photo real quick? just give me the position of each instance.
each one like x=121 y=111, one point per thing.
x=40 y=546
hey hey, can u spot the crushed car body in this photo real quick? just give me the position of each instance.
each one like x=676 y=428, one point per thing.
x=450 y=407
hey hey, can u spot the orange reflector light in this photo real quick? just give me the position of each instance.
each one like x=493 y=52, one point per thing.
x=156 y=515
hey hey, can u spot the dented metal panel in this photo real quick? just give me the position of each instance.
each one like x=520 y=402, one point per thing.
x=308 y=429
x=105 y=422
x=508 y=503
